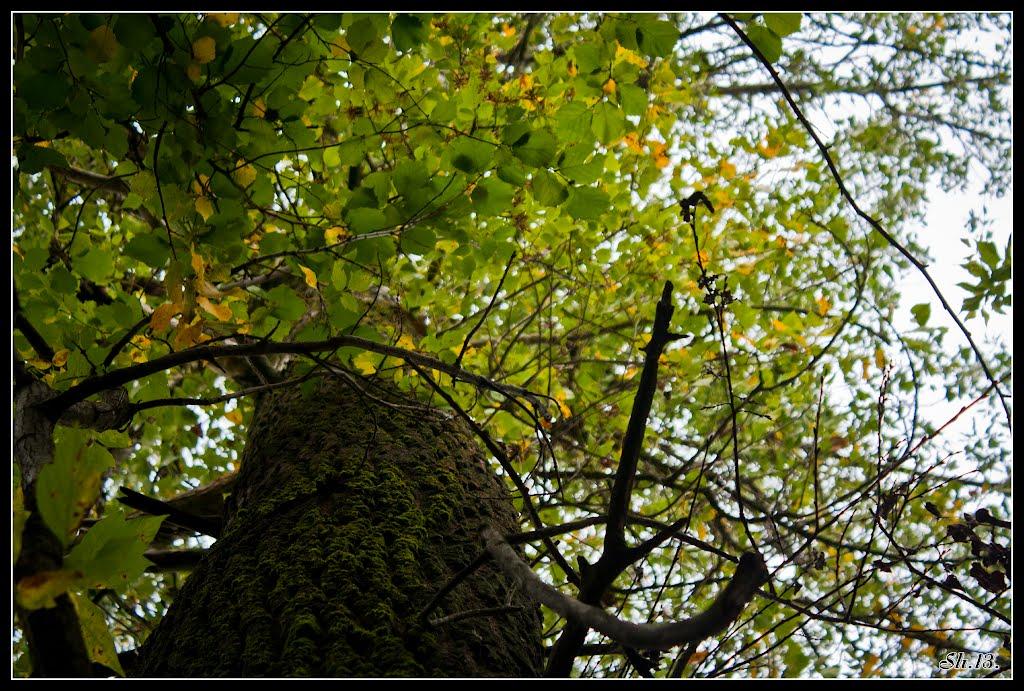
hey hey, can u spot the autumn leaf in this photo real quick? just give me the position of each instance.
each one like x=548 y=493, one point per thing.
x=335 y=234
x=245 y=175
x=162 y=315
x=221 y=311
x=223 y=18
x=204 y=207
x=40 y=590
x=366 y=362
x=310 y=277
x=204 y=49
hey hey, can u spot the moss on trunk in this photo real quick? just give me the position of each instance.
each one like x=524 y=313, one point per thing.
x=348 y=516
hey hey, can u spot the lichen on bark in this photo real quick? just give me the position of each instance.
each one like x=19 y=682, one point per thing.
x=349 y=514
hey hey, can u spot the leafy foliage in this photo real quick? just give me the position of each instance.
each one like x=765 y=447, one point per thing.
x=500 y=192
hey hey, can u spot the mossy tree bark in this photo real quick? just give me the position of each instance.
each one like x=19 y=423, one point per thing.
x=352 y=509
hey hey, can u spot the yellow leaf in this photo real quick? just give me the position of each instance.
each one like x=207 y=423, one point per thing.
x=609 y=86
x=204 y=49
x=208 y=289
x=197 y=265
x=726 y=169
x=221 y=311
x=823 y=305
x=60 y=357
x=406 y=342
x=102 y=43
x=623 y=53
x=310 y=276
x=223 y=18
x=880 y=358
x=39 y=363
x=507 y=31
x=161 y=317
x=633 y=142
x=259 y=108
x=365 y=362
x=245 y=175
x=40 y=590
x=194 y=71
x=335 y=234
x=234 y=416
x=564 y=409
x=779 y=326
x=658 y=153
x=188 y=335
x=571 y=70
x=204 y=207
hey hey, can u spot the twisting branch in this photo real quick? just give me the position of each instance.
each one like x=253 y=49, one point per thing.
x=616 y=555
x=618 y=504
x=750 y=574
x=871 y=221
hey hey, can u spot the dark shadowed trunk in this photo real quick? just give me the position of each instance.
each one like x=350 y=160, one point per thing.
x=352 y=509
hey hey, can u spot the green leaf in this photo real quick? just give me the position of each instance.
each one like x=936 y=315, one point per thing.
x=989 y=253
x=921 y=313
x=408 y=32
x=410 y=177
x=657 y=38
x=492 y=197
x=471 y=155
x=99 y=642
x=608 y=122
x=70 y=483
x=361 y=35
x=537 y=148
x=572 y=121
x=418 y=239
x=366 y=220
x=767 y=42
x=633 y=99
x=782 y=23
x=588 y=57
x=285 y=304
x=547 y=189
x=149 y=249
x=44 y=91
x=97 y=265
x=513 y=173
x=20 y=517
x=111 y=553
x=586 y=203
x=32 y=159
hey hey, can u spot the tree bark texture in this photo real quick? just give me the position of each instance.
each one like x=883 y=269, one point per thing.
x=351 y=510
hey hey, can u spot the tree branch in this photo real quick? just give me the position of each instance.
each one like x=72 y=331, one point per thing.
x=750 y=574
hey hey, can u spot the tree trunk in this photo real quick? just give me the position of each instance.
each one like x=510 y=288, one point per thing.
x=352 y=509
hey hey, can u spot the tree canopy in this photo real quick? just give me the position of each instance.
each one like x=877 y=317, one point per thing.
x=485 y=209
